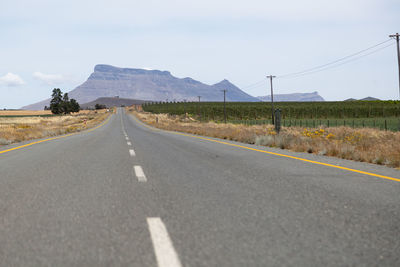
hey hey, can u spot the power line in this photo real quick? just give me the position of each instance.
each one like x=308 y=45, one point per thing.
x=327 y=66
x=336 y=65
x=333 y=62
x=254 y=85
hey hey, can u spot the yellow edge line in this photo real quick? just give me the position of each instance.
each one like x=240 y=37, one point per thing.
x=53 y=138
x=278 y=154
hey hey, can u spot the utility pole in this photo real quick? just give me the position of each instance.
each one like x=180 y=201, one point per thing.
x=198 y=106
x=396 y=36
x=272 y=98
x=224 y=105
x=184 y=107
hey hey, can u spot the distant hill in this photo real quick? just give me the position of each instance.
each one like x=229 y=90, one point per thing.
x=152 y=85
x=369 y=98
x=111 y=102
x=300 y=97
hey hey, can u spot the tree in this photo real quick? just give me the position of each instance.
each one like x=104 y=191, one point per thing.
x=66 y=104
x=74 y=105
x=61 y=104
x=56 y=101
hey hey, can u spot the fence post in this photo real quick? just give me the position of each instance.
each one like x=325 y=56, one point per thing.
x=278 y=120
x=385 y=125
x=313 y=123
x=328 y=123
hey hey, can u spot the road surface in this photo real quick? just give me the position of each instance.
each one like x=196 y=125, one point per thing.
x=127 y=195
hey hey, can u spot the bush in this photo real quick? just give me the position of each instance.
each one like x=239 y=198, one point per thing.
x=100 y=106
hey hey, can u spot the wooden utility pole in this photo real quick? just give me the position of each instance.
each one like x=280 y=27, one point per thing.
x=396 y=36
x=272 y=98
x=184 y=107
x=224 y=105
x=198 y=106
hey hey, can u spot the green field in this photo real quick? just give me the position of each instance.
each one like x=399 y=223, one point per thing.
x=376 y=114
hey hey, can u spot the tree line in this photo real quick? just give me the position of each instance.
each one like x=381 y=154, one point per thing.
x=61 y=104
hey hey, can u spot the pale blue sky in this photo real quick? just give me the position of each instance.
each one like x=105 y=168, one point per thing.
x=47 y=44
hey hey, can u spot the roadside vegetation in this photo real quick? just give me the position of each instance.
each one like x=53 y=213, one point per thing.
x=359 y=144
x=17 y=126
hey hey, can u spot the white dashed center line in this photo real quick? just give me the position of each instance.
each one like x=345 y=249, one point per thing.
x=139 y=173
x=132 y=152
x=129 y=143
x=127 y=138
x=163 y=248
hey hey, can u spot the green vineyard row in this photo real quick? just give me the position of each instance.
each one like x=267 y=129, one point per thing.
x=290 y=110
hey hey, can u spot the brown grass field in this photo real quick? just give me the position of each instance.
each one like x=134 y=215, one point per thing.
x=24 y=112
x=17 y=129
x=37 y=112
x=360 y=144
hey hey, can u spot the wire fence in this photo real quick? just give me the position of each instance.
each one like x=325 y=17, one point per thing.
x=390 y=124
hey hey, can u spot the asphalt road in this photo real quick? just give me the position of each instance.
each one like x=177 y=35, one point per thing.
x=127 y=195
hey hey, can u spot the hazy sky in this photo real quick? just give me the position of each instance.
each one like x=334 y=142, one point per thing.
x=47 y=44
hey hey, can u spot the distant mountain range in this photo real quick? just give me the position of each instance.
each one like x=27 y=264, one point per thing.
x=152 y=85
x=301 y=97
x=368 y=98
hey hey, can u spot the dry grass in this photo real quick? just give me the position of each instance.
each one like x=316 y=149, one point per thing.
x=365 y=144
x=24 y=112
x=40 y=112
x=17 y=129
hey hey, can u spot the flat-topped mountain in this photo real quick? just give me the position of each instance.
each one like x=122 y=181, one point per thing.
x=152 y=85
x=301 y=97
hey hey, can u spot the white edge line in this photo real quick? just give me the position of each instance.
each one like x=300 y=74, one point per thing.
x=162 y=244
